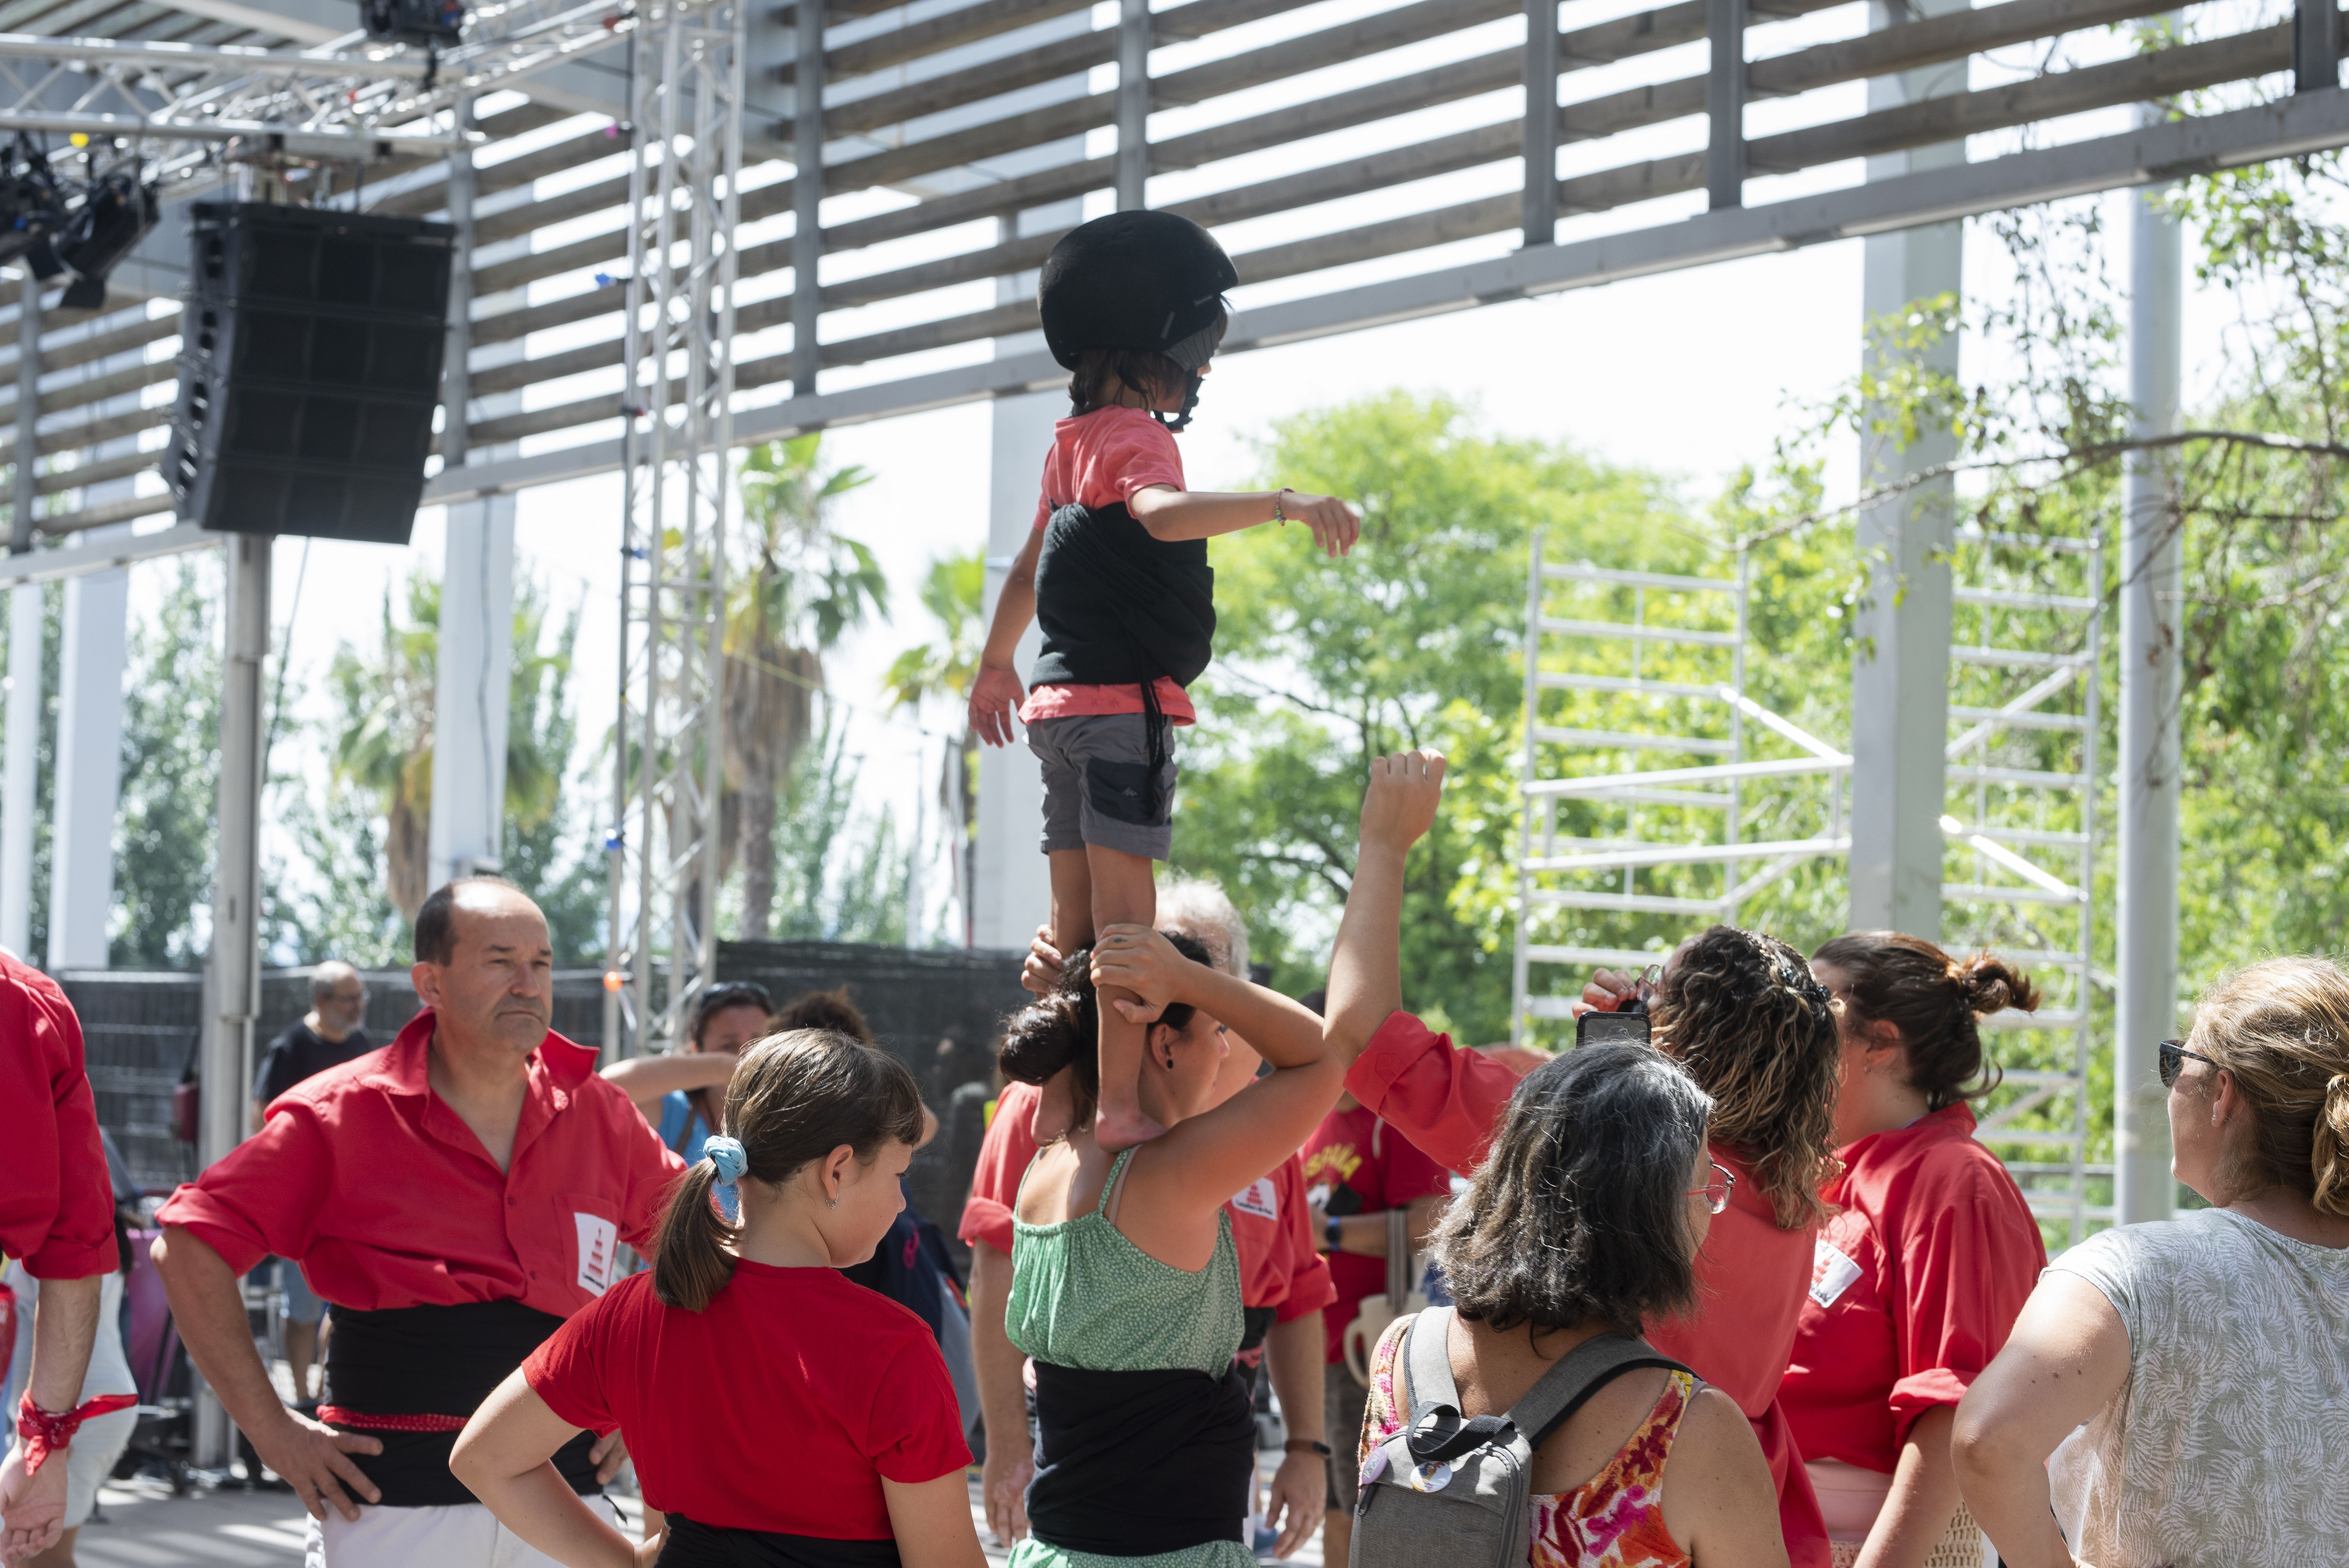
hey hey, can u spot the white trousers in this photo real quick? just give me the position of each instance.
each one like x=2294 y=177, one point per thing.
x=461 y=1536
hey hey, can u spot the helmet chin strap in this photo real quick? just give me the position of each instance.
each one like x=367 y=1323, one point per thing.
x=1191 y=379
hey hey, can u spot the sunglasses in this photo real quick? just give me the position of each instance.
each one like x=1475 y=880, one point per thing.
x=1716 y=1192
x=2173 y=1060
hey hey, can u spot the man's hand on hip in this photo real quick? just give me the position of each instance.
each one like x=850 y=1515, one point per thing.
x=315 y=1460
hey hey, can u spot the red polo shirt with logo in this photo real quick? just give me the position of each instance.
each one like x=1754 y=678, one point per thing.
x=387 y=1199
x=56 y=1205
x=1916 y=1281
x=1749 y=1277
x=1280 y=1267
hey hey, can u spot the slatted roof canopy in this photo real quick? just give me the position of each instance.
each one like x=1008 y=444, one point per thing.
x=1316 y=136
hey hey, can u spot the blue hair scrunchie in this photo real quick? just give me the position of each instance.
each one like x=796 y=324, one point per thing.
x=728 y=1156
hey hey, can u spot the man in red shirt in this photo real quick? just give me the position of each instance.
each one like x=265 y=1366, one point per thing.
x=456 y=1195
x=1358 y=1171
x=57 y=1214
x=1284 y=1281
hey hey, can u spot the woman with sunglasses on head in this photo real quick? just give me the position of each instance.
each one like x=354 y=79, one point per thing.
x=2188 y=1376
x=1740 y=1011
x=1586 y=1220
x=1930 y=1255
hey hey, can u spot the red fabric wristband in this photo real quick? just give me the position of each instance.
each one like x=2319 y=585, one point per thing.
x=44 y=1433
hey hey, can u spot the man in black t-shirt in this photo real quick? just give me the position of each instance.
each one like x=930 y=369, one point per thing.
x=328 y=1036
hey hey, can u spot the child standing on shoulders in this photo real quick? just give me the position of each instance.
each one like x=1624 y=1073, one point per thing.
x=1116 y=577
x=775 y=1411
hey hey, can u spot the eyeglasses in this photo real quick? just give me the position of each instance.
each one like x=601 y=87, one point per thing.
x=1716 y=1193
x=2173 y=1060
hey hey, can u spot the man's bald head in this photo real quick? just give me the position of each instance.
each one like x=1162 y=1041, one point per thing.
x=467 y=901
x=328 y=977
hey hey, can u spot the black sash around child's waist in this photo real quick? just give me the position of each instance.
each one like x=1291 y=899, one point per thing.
x=1118 y=607
x=1128 y=1464
x=693 y=1545
x=410 y=1376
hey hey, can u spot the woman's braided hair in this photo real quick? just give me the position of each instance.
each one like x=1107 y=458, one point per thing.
x=1742 y=1014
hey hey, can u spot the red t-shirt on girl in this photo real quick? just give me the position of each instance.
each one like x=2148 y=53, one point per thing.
x=781 y=1406
x=1100 y=459
x=1915 y=1284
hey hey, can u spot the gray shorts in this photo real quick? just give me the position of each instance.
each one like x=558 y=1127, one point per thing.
x=1095 y=770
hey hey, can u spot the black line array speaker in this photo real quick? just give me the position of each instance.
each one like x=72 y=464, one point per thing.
x=310 y=351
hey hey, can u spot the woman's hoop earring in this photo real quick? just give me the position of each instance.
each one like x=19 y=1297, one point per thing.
x=832 y=1203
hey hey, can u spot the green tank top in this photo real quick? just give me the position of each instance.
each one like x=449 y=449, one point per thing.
x=1083 y=1295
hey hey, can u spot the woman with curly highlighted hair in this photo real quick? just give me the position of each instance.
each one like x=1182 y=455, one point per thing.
x=1742 y=1014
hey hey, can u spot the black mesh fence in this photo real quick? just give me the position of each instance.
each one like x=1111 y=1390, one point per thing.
x=939 y=1011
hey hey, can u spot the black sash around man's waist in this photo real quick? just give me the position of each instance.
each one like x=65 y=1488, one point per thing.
x=1128 y=1464
x=693 y=1545
x=404 y=1366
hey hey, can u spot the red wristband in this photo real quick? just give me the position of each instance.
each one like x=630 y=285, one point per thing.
x=45 y=1432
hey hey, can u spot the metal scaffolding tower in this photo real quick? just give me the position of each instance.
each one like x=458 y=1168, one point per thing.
x=1640 y=666
x=677 y=482
x=2023 y=774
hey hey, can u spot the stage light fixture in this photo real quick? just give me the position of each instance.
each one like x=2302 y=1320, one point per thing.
x=431 y=23
x=32 y=209
x=114 y=214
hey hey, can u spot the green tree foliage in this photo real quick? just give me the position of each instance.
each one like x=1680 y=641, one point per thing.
x=804 y=589
x=954 y=591
x=1414 y=640
x=841 y=874
x=366 y=841
x=170 y=780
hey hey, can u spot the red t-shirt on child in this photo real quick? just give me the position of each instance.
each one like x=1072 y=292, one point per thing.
x=788 y=1372
x=1100 y=459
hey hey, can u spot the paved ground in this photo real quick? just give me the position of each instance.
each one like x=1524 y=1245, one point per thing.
x=143 y=1525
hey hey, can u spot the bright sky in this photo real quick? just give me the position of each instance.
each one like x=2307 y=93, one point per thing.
x=1690 y=374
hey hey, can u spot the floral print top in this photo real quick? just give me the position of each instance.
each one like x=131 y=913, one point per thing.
x=1614 y=1520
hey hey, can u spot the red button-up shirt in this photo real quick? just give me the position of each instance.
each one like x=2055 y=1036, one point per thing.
x=387 y=1199
x=56 y=1205
x=1749 y=1277
x=1280 y=1267
x=1915 y=1284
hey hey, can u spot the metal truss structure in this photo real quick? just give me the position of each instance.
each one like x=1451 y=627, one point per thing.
x=350 y=98
x=2023 y=777
x=1625 y=669
x=678 y=484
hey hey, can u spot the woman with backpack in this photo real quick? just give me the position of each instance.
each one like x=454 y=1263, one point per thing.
x=1742 y=1013
x=1529 y=1422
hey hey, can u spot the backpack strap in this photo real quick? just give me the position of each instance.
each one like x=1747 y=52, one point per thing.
x=1575 y=1377
x=1426 y=1351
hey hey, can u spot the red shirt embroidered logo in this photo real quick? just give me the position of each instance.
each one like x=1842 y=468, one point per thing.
x=1831 y=1271
x=599 y=1244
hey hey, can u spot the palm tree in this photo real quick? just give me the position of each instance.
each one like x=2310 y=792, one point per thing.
x=954 y=593
x=803 y=589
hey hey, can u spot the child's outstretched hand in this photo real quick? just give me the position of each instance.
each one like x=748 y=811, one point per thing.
x=1335 y=523
x=1399 y=807
x=996 y=695
x=1142 y=961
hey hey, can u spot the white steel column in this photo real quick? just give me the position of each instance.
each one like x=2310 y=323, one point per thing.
x=474 y=664
x=473 y=684
x=1900 y=683
x=20 y=782
x=234 y=982
x=2152 y=570
x=90 y=661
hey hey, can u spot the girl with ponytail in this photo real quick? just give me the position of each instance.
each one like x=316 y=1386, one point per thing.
x=776 y=1412
x=2204 y=1360
x=1928 y=1252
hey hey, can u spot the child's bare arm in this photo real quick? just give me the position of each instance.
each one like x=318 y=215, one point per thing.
x=1170 y=514
x=996 y=693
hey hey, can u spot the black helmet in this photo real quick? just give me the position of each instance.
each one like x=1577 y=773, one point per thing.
x=1144 y=281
